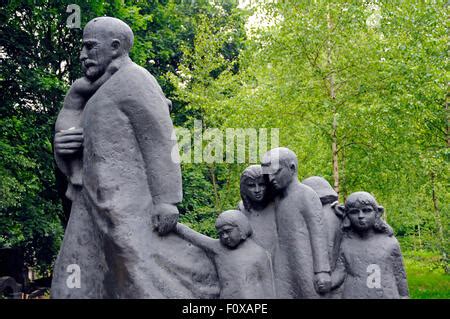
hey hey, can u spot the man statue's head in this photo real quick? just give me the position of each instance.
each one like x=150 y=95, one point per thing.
x=280 y=167
x=104 y=40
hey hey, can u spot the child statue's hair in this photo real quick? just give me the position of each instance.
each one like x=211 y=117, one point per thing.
x=237 y=219
x=252 y=172
x=359 y=199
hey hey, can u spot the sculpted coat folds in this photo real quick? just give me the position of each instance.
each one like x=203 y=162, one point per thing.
x=114 y=144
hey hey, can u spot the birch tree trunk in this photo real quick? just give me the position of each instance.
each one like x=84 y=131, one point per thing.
x=437 y=214
x=332 y=93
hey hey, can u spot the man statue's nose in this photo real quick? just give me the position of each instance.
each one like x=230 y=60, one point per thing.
x=83 y=55
x=361 y=214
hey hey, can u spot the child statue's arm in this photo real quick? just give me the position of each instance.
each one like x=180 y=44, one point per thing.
x=204 y=242
x=399 y=271
x=82 y=89
x=339 y=273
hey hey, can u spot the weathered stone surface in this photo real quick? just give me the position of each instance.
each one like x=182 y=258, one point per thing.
x=114 y=144
x=257 y=204
x=301 y=265
x=333 y=221
x=289 y=239
x=370 y=263
x=244 y=268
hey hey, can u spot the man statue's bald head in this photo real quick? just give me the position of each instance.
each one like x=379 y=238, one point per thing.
x=112 y=28
x=104 y=40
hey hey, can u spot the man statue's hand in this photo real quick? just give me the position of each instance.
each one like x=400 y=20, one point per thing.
x=165 y=218
x=68 y=142
x=322 y=282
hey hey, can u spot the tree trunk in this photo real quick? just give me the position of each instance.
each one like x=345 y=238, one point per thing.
x=420 y=236
x=447 y=97
x=332 y=93
x=335 y=153
x=216 y=192
x=437 y=214
x=342 y=188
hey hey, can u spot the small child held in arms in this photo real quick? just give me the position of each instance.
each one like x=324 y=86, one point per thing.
x=243 y=267
x=69 y=119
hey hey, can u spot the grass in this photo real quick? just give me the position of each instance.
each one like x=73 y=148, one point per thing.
x=426 y=276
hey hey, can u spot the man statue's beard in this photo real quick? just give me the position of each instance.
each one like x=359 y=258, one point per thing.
x=92 y=70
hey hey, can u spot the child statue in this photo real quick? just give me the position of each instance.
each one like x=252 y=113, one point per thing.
x=69 y=119
x=370 y=264
x=257 y=204
x=243 y=267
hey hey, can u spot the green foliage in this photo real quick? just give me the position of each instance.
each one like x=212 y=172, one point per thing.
x=29 y=207
x=384 y=84
x=39 y=60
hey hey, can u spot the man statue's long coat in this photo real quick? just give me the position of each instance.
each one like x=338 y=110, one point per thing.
x=129 y=166
x=302 y=242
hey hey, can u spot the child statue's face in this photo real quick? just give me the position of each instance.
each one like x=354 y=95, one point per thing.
x=230 y=235
x=255 y=189
x=362 y=217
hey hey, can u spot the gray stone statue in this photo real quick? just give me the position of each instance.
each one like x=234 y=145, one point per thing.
x=288 y=239
x=301 y=264
x=370 y=263
x=257 y=204
x=333 y=219
x=244 y=268
x=113 y=143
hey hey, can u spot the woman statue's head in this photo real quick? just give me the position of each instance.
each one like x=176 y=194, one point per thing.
x=253 y=188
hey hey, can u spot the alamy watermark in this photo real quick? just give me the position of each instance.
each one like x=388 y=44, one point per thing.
x=374 y=20
x=74 y=278
x=74 y=19
x=230 y=145
x=374 y=276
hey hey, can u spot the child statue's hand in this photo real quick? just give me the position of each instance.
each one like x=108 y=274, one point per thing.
x=165 y=218
x=322 y=282
x=68 y=142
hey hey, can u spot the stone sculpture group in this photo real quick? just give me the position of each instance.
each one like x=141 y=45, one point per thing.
x=286 y=238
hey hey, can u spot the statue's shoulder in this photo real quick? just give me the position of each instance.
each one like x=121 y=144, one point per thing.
x=302 y=191
x=133 y=82
x=389 y=242
x=346 y=239
x=135 y=69
x=136 y=75
x=252 y=246
x=304 y=188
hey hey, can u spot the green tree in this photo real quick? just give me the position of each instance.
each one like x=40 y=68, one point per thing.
x=39 y=59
